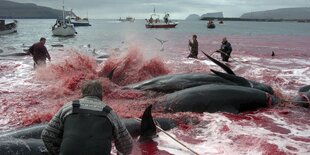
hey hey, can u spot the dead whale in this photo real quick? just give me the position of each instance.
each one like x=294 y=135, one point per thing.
x=216 y=98
x=27 y=141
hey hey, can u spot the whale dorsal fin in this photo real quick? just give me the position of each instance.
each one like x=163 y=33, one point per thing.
x=223 y=66
x=110 y=75
x=148 y=127
x=233 y=78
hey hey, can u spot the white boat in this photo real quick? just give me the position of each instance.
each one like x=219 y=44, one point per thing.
x=63 y=27
x=8 y=28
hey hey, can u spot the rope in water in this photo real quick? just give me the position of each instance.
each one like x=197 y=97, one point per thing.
x=138 y=119
x=219 y=51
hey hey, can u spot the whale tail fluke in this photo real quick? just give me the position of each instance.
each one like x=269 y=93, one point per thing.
x=148 y=127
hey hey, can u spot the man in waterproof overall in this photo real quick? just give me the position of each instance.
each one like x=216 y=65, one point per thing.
x=193 y=47
x=86 y=127
x=225 y=50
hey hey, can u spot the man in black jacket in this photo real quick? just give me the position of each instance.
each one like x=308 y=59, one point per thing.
x=225 y=50
x=194 y=47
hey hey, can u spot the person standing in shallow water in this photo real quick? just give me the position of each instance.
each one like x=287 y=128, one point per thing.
x=39 y=53
x=193 y=47
x=86 y=127
x=225 y=50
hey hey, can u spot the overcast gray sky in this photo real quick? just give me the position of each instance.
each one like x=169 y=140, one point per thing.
x=178 y=9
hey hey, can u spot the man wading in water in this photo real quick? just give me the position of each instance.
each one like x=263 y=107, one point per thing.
x=225 y=50
x=39 y=53
x=194 y=47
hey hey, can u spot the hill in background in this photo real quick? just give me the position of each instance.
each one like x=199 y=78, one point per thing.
x=197 y=17
x=15 y=10
x=284 y=13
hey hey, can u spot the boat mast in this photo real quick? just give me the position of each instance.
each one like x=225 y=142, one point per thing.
x=63 y=11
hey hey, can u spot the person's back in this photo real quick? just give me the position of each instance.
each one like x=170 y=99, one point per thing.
x=38 y=51
x=86 y=126
x=87 y=132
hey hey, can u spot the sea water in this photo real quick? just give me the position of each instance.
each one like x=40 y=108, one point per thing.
x=30 y=96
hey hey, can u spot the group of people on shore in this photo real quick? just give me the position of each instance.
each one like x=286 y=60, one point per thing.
x=225 y=49
x=40 y=53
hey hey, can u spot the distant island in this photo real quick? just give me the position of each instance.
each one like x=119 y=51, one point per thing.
x=301 y=14
x=193 y=17
x=213 y=14
x=207 y=15
x=13 y=10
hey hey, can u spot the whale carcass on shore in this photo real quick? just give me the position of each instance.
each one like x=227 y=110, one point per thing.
x=175 y=82
x=216 y=98
x=303 y=97
x=27 y=141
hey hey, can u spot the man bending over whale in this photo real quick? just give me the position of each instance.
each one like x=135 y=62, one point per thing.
x=86 y=126
x=225 y=50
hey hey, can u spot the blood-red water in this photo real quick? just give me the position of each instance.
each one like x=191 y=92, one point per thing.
x=34 y=96
x=132 y=68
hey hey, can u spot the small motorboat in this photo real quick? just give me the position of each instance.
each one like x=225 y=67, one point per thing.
x=8 y=28
x=221 y=22
x=211 y=25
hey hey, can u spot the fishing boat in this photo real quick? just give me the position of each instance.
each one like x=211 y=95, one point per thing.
x=63 y=27
x=127 y=19
x=8 y=28
x=78 y=21
x=155 y=22
x=211 y=25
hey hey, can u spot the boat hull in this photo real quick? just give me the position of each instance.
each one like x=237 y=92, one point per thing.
x=80 y=23
x=160 y=25
x=8 y=28
x=3 y=32
x=211 y=26
x=64 y=30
